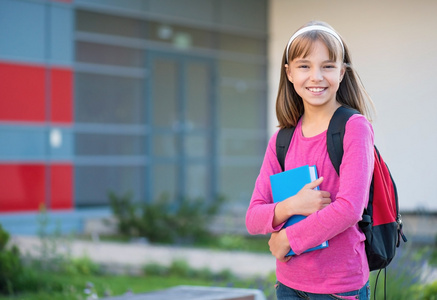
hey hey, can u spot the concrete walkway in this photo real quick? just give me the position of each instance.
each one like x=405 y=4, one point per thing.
x=132 y=257
x=197 y=293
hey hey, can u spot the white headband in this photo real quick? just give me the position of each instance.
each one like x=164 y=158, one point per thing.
x=311 y=28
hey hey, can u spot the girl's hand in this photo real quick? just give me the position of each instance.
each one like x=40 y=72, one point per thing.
x=308 y=200
x=279 y=245
x=305 y=202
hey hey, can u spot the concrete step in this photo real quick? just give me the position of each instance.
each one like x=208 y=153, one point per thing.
x=197 y=293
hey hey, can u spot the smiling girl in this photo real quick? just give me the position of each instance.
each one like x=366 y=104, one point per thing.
x=316 y=79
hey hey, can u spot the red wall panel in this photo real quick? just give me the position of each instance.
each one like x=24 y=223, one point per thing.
x=61 y=186
x=23 y=187
x=61 y=95
x=22 y=92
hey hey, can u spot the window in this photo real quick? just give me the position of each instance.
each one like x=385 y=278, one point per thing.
x=166 y=104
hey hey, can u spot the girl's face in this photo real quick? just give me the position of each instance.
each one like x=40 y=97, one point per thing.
x=315 y=77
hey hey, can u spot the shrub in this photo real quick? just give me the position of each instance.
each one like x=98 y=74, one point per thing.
x=181 y=268
x=81 y=266
x=430 y=291
x=14 y=276
x=163 y=221
x=10 y=264
x=156 y=269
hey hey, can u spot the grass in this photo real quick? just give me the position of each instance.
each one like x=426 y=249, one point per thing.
x=403 y=277
x=70 y=278
x=73 y=286
x=399 y=287
x=402 y=280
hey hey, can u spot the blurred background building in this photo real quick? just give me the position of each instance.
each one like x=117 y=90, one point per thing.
x=176 y=98
x=142 y=96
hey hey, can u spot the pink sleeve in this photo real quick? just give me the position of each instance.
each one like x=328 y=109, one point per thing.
x=259 y=216
x=356 y=174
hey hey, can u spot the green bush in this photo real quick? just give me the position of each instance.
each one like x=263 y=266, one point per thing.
x=163 y=221
x=14 y=276
x=55 y=251
x=34 y=276
x=11 y=267
x=400 y=286
x=155 y=269
x=181 y=268
x=430 y=291
x=81 y=266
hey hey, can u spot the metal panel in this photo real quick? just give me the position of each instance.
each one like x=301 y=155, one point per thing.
x=35 y=143
x=247 y=14
x=61 y=35
x=61 y=95
x=60 y=141
x=121 y=4
x=23 y=143
x=61 y=186
x=22 y=30
x=22 y=93
x=26 y=187
x=199 y=10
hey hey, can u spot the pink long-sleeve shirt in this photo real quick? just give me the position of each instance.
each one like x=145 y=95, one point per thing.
x=341 y=267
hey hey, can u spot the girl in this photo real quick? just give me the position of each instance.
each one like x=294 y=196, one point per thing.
x=316 y=78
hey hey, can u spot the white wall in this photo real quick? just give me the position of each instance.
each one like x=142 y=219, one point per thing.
x=394 y=49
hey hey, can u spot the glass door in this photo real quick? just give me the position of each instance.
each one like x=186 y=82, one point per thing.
x=182 y=126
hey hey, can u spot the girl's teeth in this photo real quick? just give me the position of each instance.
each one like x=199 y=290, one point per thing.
x=316 y=90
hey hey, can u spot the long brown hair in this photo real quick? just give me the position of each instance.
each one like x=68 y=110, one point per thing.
x=351 y=92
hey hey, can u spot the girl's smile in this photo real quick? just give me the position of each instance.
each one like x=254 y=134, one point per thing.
x=316 y=90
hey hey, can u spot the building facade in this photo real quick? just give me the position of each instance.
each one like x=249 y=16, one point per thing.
x=177 y=98
x=153 y=98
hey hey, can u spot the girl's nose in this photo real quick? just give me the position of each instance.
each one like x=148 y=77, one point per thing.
x=316 y=74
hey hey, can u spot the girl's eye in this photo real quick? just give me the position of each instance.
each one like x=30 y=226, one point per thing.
x=303 y=67
x=330 y=66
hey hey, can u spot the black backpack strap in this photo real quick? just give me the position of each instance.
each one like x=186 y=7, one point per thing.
x=282 y=143
x=335 y=135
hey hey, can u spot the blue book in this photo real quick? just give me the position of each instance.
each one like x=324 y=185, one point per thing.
x=289 y=183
